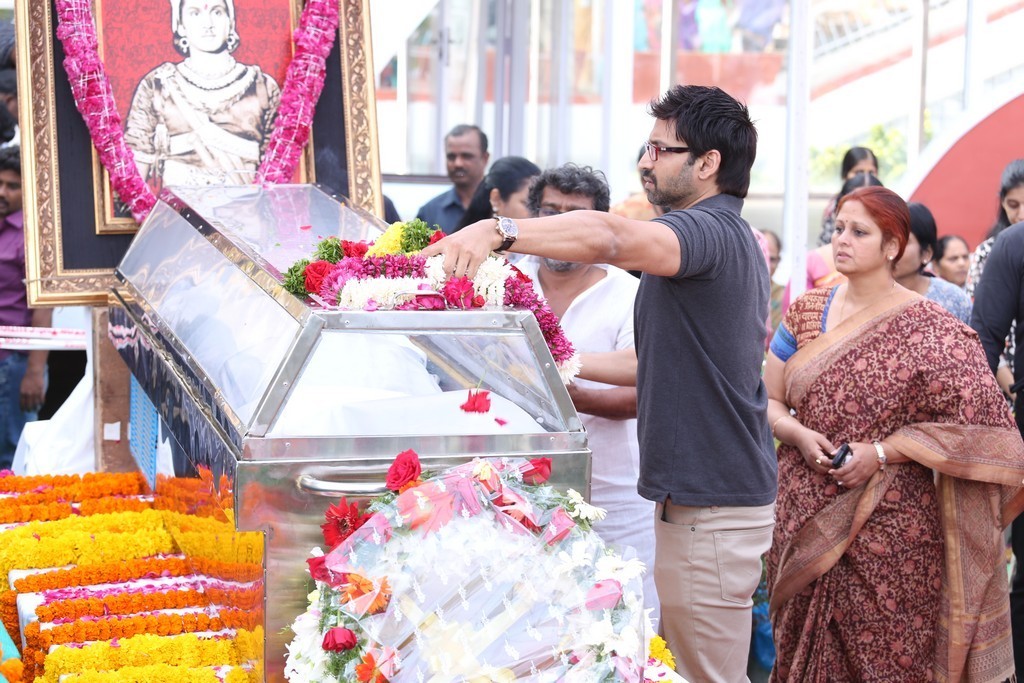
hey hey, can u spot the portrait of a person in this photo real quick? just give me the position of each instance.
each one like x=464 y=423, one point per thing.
x=206 y=119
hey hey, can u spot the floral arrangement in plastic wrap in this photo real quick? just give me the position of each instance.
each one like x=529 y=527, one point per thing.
x=482 y=571
x=389 y=274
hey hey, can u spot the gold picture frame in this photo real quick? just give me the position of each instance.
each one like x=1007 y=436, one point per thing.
x=68 y=261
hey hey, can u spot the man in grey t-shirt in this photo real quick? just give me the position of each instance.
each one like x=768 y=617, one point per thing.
x=706 y=455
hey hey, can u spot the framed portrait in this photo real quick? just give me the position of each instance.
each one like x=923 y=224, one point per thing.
x=76 y=229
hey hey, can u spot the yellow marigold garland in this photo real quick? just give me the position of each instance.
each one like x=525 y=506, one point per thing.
x=77 y=547
x=186 y=650
x=38 y=641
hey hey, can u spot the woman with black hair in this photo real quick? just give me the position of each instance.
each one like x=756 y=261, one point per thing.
x=910 y=271
x=502 y=192
x=856 y=160
x=952 y=259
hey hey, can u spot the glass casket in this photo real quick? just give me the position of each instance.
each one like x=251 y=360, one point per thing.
x=288 y=406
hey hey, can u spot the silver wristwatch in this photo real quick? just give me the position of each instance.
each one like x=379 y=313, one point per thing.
x=509 y=231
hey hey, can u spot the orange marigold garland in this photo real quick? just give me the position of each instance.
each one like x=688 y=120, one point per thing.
x=78 y=487
x=249 y=598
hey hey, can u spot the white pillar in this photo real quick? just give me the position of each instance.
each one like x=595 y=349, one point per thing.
x=798 y=97
x=621 y=141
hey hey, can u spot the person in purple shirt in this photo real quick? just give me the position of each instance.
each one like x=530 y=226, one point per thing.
x=22 y=373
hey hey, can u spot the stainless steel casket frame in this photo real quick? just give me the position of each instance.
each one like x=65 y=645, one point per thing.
x=222 y=350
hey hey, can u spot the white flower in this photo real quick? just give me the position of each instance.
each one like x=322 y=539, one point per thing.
x=581 y=509
x=615 y=567
x=383 y=291
x=567 y=370
x=306 y=659
x=576 y=557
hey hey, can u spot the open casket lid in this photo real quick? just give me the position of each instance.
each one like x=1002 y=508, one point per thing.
x=205 y=272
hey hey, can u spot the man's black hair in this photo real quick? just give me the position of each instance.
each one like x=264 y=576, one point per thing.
x=10 y=159
x=571 y=179
x=707 y=118
x=463 y=128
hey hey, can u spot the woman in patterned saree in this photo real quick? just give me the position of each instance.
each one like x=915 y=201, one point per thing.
x=890 y=567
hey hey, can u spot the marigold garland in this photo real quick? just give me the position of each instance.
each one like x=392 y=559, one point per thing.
x=75 y=487
x=14 y=510
x=39 y=640
x=249 y=598
x=165 y=673
x=75 y=548
x=187 y=650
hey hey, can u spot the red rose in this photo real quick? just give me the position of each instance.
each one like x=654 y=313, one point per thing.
x=539 y=471
x=479 y=301
x=357 y=249
x=436 y=236
x=404 y=469
x=315 y=274
x=319 y=571
x=339 y=639
x=479 y=401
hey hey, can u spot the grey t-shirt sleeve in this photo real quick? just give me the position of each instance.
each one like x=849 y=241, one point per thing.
x=701 y=243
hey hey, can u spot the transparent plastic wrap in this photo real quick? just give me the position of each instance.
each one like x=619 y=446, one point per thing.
x=476 y=572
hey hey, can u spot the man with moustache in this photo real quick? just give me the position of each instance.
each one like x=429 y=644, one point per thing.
x=594 y=303
x=465 y=151
x=22 y=373
x=706 y=455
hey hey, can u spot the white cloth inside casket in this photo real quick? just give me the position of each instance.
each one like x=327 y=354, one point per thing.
x=366 y=384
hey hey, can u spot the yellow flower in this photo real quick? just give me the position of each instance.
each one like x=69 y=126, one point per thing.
x=659 y=650
x=388 y=243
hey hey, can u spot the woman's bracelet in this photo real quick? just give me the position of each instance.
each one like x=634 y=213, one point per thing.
x=775 y=424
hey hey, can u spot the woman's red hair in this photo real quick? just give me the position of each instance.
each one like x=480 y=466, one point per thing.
x=887 y=209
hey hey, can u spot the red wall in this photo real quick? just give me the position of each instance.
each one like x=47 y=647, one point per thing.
x=962 y=189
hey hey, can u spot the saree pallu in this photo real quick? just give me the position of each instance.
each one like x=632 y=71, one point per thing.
x=903 y=578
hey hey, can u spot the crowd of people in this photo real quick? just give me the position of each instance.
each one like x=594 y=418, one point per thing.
x=869 y=461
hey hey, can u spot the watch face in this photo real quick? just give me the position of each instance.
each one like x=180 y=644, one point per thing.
x=508 y=227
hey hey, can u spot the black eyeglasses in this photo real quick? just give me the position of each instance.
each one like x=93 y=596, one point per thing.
x=654 y=150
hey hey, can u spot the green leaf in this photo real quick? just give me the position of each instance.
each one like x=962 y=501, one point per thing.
x=295 y=278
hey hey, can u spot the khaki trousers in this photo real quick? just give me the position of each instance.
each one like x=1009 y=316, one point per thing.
x=707 y=566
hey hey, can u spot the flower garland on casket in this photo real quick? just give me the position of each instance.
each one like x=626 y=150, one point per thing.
x=482 y=572
x=389 y=274
x=94 y=98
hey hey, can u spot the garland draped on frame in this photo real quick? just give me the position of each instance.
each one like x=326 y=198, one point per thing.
x=94 y=98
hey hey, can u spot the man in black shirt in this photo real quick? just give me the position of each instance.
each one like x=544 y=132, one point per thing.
x=706 y=455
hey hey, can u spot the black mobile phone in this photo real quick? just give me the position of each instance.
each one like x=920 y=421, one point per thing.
x=843 y=454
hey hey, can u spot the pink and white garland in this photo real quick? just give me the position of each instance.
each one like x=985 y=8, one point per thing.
x=94 y=98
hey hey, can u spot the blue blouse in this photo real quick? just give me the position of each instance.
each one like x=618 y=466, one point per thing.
x=784 y=343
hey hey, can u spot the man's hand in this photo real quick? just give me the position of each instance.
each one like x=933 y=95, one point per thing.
x=33 y=390
x=465 y=250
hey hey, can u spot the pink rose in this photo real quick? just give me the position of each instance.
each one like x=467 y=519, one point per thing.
x=458 y=292
x=538 y=472
x=604 y=594
x=559 y=527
